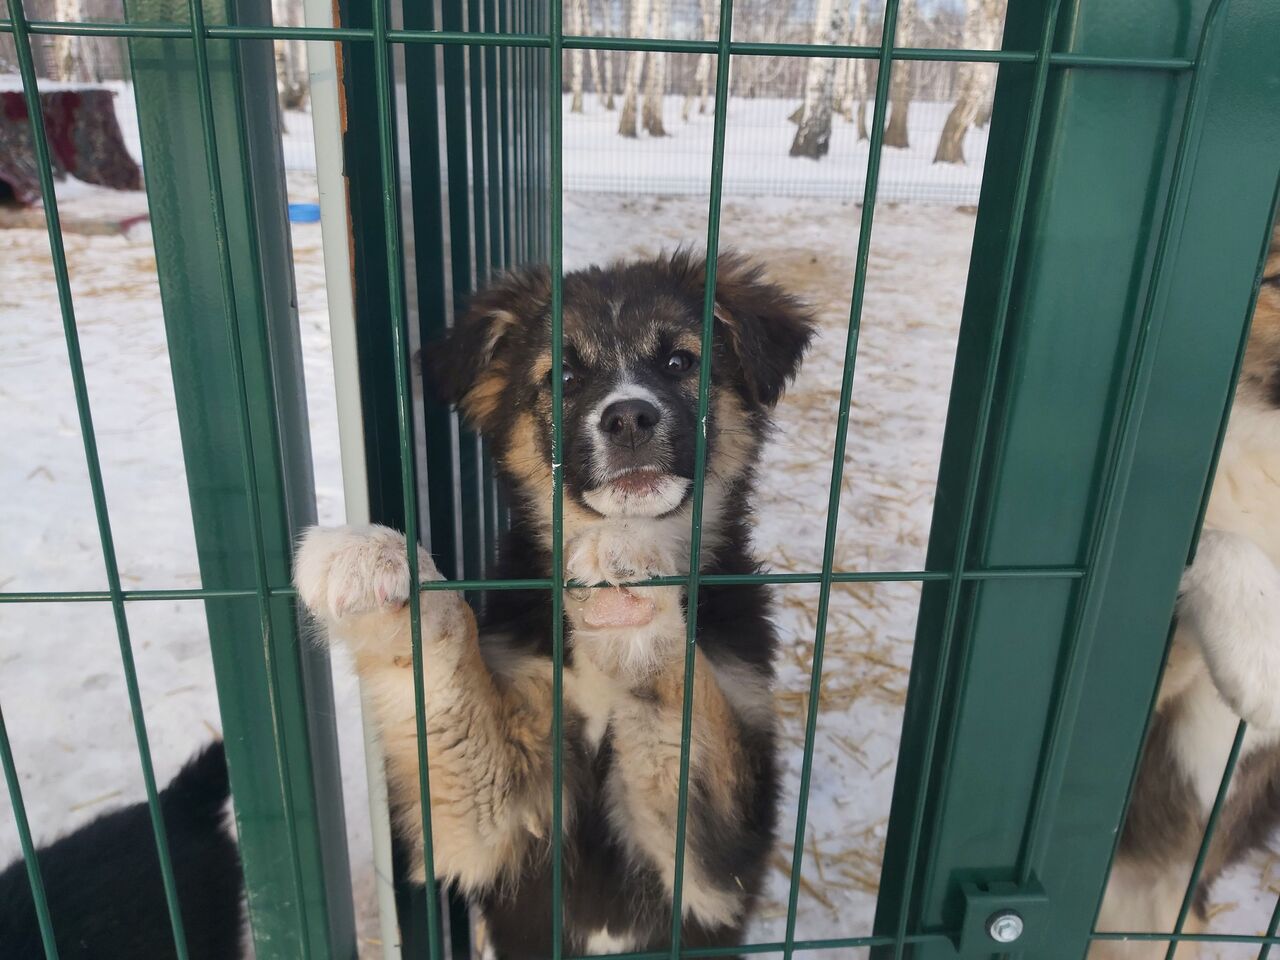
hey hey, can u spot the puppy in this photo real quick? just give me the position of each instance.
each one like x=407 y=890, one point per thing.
x=1224 y=666
x=104 y=888
x=632 y=338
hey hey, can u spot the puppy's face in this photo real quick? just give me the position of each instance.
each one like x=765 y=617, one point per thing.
x=629 y=373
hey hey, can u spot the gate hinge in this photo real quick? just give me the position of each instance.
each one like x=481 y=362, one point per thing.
x=1001 y=917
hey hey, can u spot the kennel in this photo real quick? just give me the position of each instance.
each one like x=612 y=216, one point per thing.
x=1130 y=183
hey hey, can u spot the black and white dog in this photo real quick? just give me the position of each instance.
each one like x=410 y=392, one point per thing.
x=630 y=375
x=104 y=888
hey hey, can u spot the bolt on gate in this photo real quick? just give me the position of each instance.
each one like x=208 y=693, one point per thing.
x=1130 y=181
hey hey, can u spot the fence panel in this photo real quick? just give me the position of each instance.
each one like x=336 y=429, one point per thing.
x=1122 y=323
x=275 y=692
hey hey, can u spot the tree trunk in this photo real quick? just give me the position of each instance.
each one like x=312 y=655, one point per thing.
x=975 y=83
x=635 y=67
x=861 y=71
x=656 y=83
x=895 y=131
x=576 y=9
x=813 y=132
x=74 y=58
x=291 y=57
x=606 y=92
x=702 y=73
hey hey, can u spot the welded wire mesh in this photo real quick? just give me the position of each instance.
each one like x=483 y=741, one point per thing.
x=504 y=125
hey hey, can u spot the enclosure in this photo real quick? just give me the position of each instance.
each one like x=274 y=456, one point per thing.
x=990 y=513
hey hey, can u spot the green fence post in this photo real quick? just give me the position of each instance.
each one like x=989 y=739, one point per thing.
x=275 y=692
x=1045 y=699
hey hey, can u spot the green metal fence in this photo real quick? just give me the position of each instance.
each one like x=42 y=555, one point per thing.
x=1130 y=179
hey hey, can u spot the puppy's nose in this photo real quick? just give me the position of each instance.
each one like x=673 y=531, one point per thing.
x=630 y=423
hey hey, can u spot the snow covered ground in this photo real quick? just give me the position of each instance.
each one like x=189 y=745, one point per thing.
x=60 y=681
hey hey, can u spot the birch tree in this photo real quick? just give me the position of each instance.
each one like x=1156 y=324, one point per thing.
x=74 y=58
x=702 y=73
x=813 y=129
x=975 y=82
x=851 y=74
x=656 y=82
x=895 y=131
x=291 y=56
x=577 y=16
x=635 y=68
x=606 y=92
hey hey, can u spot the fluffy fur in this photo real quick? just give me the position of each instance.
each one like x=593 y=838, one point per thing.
x=631 y=343
x=104 y=888
x=1223 y=666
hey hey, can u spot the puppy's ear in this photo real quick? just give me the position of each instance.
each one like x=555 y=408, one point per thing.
x=766 y=328
x=465 y=366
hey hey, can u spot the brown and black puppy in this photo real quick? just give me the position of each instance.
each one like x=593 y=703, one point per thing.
x=630 y=374
x=1224 y=665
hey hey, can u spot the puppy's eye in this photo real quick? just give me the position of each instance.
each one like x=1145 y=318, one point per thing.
x=680 y=361
x=569 y=378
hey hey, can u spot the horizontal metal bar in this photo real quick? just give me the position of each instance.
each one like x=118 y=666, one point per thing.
x=546 y=583
x=95 y=596
x=836 y=943
x=637 y=44
x=1185 y=938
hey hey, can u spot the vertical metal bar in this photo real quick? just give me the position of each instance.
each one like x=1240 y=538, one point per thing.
x=335 y=214
x=990 y=380
x=1102 y=535
x=555 y=132
x=506 y=57
x=870 y=187
x=723 y=63
x=404 y=423
x=1273 y=927
x=248 y=455
x=93 y=464
x=282 y=692
x=493 y=144
x=479 y=185
x=29 y=857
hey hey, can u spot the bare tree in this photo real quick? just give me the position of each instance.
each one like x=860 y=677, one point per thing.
x=702 y=73
x=74 y=58
x=635 y=67
x=656 y=82
x=975 y=81
x=851 y=75
x=813 y=129
x=895 y=131
x=291 y=57
x=577 y=16
x=606 y=92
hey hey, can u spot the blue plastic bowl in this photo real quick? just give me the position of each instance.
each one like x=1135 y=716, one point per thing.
x=304 y=212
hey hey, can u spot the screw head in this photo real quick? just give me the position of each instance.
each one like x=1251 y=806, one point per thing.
x=1005 y=926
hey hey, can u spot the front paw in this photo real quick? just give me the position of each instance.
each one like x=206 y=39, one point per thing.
x=615 y=554
x=346 y=571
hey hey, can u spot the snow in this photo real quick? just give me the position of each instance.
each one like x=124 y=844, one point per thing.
x=61 y=684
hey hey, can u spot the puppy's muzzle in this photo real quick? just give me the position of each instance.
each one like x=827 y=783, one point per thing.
x=630 y=423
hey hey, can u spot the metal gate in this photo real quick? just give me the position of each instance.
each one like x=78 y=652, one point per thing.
x=1130 y=181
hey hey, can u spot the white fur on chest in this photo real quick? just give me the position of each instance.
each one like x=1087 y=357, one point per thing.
x=594 y=695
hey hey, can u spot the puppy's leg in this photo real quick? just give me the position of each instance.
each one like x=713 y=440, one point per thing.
x=487 y=741
x=1231 y=601
x=1144 y=898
